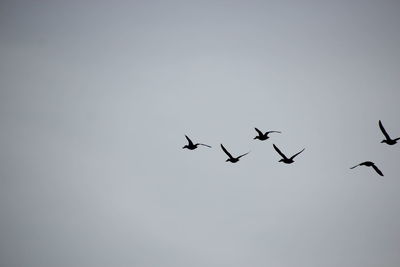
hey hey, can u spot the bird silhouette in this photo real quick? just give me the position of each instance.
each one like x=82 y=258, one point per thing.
x=388 y=140
x=192 y=146
x=284 y=158
x=263 y=136
x=231 y=158
x=369 y=164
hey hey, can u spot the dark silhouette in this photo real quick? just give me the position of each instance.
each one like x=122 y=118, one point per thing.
x=232 y=159
x=388 y=140
x=284 y=158
x=263 y=136
x=192 y=146
x=369 y=164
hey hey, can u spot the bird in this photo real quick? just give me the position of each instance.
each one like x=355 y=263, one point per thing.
x=192 y=146
x=263 y=136
x=284 y=158
x=388 y=140
x=369 y=164
x=231 y=158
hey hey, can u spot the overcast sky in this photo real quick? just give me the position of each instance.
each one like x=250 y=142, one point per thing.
x=95 y=100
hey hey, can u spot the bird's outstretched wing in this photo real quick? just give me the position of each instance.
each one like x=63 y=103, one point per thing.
x=273 y=132
x=243 y=155
x=203 y=145
x=279 y=152
x=377 y=170
x=190 y=141
x=383 y=130
x=295 y=155
x=226 y=151
x=355 y=166
x=258 y=131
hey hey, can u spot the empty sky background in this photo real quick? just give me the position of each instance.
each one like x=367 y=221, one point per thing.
x=95 y=99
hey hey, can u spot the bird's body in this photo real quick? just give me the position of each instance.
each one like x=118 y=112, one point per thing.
x=369 y=164
x=231 y=158
x=191 y=145
x=387 y=139
x=284 y=158
x=263 y=136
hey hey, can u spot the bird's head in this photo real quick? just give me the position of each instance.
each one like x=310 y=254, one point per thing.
x=227 y=160
x=185 y=147
x=281 y=160
x=257 y=137
x=384 y=141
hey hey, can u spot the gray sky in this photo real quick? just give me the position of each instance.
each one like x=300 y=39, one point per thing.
x=95 y=99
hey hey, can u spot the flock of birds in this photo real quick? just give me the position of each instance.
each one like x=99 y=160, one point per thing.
x=264 y=136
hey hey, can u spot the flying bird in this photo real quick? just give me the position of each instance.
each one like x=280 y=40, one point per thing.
x=284 y=158
x=192 y=146
x=388 y=140
x=263 y=136
x=231 y=158
x=369 y=164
